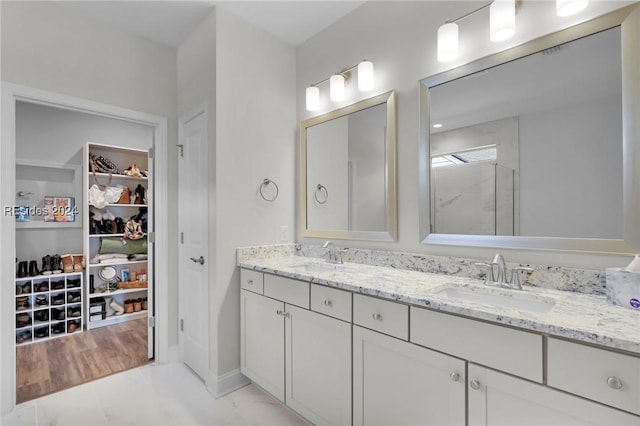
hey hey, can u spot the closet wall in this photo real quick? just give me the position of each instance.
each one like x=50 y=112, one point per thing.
x=56 y=136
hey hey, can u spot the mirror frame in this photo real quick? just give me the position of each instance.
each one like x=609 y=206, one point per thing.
x=629 y=19
x=391 y=232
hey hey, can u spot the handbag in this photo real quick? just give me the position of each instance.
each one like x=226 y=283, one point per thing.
x=125 y=197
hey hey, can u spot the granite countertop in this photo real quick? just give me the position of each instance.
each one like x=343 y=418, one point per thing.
x=581 y=317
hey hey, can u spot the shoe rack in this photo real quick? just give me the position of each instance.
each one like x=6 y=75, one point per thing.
x=48 y=306
x=122 y=298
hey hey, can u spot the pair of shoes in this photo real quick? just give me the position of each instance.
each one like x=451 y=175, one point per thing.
x=42 y=315
x=72 y=263
x=57 y=299
x=57 y=328
x=145 y=304
x=22 y=303
x=74 y=297
x=24 y=288
x=128 y=306
x=57 y=285
x=23 y=336
x=112 y=307
x=73 y=326
x=58 y=314
x=74 y=311
x=139 y=198
x=40 y=287
x=42 y=300
x=73 y=283
x=23 y=320
x=51 y=264
x=41 y=332
x=22 y=269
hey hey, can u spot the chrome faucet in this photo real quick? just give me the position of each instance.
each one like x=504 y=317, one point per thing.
x=498 y=260
x=334 y=254
x=500 y=280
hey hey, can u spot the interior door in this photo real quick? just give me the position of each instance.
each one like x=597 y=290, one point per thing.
x=194 y=247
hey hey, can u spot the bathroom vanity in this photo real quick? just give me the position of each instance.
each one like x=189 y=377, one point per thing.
x=360 y=344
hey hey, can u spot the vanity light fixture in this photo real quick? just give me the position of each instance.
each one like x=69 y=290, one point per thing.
x=570 y=7
x=366 y=82
x=502 y=25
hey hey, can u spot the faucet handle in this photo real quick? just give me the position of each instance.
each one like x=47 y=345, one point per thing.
x=515 y=276
x=489 y=275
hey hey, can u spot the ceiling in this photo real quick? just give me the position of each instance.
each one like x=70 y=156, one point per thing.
x=169 y=22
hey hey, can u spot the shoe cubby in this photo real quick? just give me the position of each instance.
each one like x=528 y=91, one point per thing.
x=46 y=304
x=116 y=261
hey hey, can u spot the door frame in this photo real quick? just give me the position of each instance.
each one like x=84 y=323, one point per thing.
x=185 y=118
x=12 y=93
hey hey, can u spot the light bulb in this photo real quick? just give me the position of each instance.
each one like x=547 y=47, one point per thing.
x=447 y=42
x=365 y=76
x=313 y=98
x=502 y=19
x=336 y=88
x=570 y=7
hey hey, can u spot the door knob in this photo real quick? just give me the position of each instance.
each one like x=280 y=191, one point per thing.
x=199 y=260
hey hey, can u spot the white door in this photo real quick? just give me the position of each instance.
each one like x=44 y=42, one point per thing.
x=318 y=366
x=194 y=248
x=399 y=383
x=498 y=399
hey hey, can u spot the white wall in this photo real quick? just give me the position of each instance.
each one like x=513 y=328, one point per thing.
x=400 y=39
x=255 y=139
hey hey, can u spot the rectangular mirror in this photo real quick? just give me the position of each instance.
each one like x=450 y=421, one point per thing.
x=531 y=147
x=348 y=172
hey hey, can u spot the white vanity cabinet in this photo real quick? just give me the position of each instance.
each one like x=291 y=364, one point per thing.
x=301 y=357
x=398 y=383
x=499 y=399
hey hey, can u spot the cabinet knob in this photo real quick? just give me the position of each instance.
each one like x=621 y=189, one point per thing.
x=328 y=303
x=377 y=317
x=475 y=385
x=614 y=382
x=250 y=282
x=454 y=376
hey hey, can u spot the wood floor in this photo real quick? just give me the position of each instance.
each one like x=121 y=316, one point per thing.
x=56 y=364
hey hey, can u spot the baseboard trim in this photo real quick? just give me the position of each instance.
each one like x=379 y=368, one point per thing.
x=221 y=385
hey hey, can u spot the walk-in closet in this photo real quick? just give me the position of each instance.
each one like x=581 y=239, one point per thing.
x=84 y=247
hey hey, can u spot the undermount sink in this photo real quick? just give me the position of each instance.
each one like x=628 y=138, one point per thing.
x=316 y=267
x=512 y=299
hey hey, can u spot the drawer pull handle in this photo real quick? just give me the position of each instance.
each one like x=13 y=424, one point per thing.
x=250 y=282
x=279 y=312
x=328 y=303
x=286 y=315
x=614 y=382
x=454 y=376
x=475 y=385
x=377 y=317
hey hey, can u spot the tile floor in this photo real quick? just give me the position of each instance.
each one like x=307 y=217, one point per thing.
x=153 y=395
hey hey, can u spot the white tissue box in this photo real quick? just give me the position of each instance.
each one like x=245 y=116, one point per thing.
x=623 y=288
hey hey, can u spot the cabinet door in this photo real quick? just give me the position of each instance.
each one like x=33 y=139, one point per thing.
x=399 y=383
x=498 y=399
x=262 y=342
x=318 y=366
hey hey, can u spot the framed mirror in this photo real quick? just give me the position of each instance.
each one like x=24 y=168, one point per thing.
x=535 y=147
x=348 y=172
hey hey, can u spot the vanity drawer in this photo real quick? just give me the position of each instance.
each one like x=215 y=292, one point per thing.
x=252 y=280
x=332 y=302
x=287 y=290
x=513 y=351
x=598 y=374
x=381 y=315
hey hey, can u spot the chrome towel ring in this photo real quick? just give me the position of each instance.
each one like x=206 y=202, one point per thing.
x=265 y=183
x=323 y=194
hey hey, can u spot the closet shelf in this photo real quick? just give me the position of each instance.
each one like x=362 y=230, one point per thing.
x=114 y=292
x=128 y=262
x=121 y=177
x=114 y=319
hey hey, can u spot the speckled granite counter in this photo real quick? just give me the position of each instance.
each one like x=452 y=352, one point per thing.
x=583 y=317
